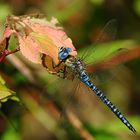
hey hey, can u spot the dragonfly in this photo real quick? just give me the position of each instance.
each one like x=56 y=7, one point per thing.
x=63 y=61
x=71 y=64
x=77 y=67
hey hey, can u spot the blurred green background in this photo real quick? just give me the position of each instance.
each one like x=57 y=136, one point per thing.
x=48 y=110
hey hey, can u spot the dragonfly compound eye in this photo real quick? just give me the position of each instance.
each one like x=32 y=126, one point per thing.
x=64 y=53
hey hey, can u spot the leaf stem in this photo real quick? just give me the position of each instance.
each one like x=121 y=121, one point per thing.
x=6 y=53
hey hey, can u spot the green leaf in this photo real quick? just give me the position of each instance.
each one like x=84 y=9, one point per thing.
x=98 y=53
x=5 y=10
x=6 y=93
x=136 y=5
x=15 y=98
x=11 y=134
x=116 y=126
x=97 y=2
x=99 y=133
x=64 y=14
x=2 y=81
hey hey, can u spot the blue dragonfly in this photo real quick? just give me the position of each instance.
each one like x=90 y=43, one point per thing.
x=77 y=66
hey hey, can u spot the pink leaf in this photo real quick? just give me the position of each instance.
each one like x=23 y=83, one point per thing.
x=44 y=37
x=38 y=37
x=29 y=49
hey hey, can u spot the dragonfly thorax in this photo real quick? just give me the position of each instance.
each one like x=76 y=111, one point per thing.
x=77 y=65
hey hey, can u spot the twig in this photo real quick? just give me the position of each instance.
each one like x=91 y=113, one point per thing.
x=78 y=125
x=6 y=53
x=21 y=67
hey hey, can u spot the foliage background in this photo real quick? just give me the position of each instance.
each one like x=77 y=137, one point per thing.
x=43 y=96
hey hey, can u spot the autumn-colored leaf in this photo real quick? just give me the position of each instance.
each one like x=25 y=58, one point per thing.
x=37 y=36
x=6 y=35
x=49 y=37
x=29 y=49
x=4 y=43
x=46 y=46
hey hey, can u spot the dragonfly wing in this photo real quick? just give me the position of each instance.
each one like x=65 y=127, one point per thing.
x=109 y=68
x=107 y=34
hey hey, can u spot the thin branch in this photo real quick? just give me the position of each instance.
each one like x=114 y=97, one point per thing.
x=78 y=125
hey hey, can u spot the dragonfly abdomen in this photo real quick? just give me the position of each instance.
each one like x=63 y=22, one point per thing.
x=86 y=80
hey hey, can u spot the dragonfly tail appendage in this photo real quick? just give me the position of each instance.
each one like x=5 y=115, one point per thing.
x=85 y=79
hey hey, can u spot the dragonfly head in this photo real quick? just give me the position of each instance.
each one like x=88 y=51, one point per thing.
x=64 y=53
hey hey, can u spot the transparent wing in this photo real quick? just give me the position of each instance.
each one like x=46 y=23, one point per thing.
x=61 y=91
x=101 y=58
x=101 y=50
x=112 y=64
x=107 y=34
